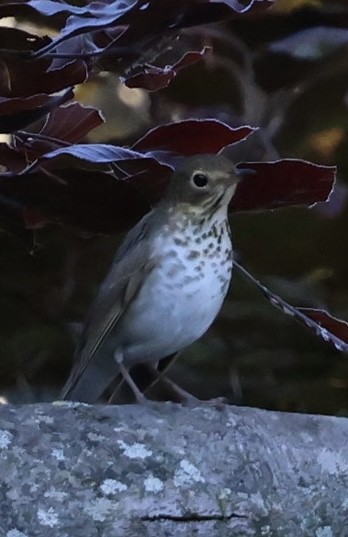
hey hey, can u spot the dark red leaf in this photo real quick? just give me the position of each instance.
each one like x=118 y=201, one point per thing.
x=332 y=325
x=64 y=125
x=18 y=113
x=11 y=106
x=146 y=169
x=206 y=136
x=192 y=136
x=71 y=123
x=21 y=77
x=191 y=57
x=330 y=329
x=154 y=78
x=283 y=183
x=11 y=160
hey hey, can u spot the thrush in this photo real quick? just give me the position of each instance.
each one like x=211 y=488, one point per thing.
x=166 y=284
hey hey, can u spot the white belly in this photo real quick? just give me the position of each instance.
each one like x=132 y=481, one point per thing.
x=179 y=300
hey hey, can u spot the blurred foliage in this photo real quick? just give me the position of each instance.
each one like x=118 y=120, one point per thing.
x=286 y=6
x=296 y=91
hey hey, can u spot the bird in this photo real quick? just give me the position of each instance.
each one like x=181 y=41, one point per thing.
x=166 y=284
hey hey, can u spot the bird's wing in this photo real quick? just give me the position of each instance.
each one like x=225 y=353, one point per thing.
x=130 y=268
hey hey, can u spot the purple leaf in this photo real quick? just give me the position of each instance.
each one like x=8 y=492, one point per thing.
x=93 y=154
x=154 y=78
x=146 y=168
x=283 y=183
x=143 y=19
x=64 y=125
x=18 y=113
x=12 y=160
x=52 y=7
x=329 y=326
x=192 y=136
x=330 y=329
x=86 y=19
x=21 y=77
x=72 y=122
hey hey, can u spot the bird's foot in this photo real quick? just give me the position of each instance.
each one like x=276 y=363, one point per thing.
x=217 y=402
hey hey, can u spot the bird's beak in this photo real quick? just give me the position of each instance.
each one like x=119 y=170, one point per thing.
x=241 y=173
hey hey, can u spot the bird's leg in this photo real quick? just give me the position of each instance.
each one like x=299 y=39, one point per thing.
x=140 y=397
x=158 y=373
x=185 y=398
x=147 y=375
x=144 y=377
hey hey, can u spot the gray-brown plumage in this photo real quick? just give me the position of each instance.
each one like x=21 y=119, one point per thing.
x=167 y=281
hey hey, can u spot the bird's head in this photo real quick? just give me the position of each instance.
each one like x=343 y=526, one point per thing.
x=202 y=184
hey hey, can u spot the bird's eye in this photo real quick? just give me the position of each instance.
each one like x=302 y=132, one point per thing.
x=200 y=180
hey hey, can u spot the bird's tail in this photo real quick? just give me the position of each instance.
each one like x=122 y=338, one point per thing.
x=89 y=384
